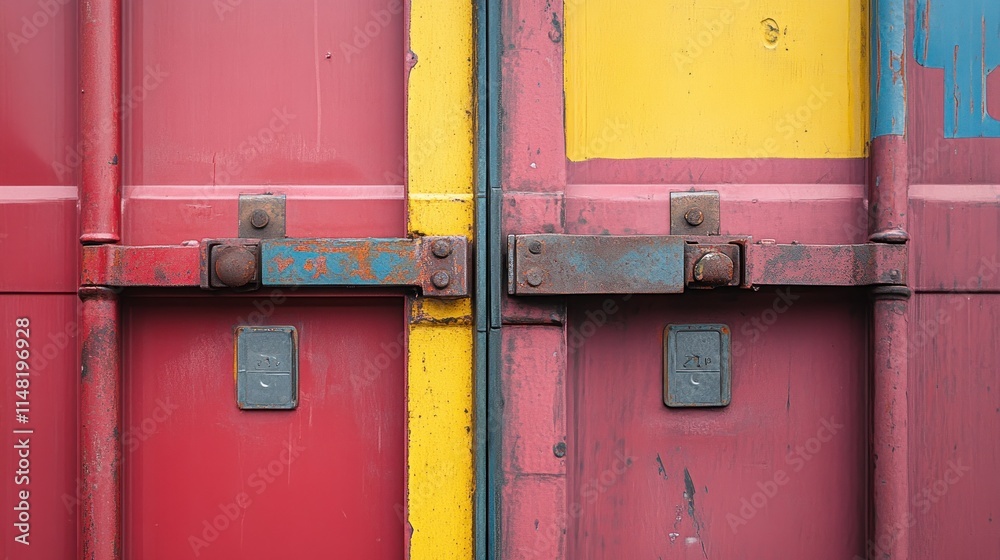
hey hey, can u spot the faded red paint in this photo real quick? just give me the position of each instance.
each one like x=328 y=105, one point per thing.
x=100 y=425
x=117 y=265
x=100 y=120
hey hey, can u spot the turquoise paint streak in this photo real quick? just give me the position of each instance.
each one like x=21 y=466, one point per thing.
x=961 y=37
x=887 y=77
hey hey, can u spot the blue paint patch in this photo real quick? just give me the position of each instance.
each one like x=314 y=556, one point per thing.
x=337 y=265
x=888 y=84
x=961 y=37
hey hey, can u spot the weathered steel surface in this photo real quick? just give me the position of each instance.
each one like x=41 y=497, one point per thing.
x=100 y=120
x=100 y=425
x=890 y=448
x=694 y=213
x=827 y=265
x=208 y=480
x=262 y=216
x=649 y=481
x=125 y=266
x=568 y=264
x=369 y=262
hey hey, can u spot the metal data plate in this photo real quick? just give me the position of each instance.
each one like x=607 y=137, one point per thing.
x=696 y=365
x=267 y=369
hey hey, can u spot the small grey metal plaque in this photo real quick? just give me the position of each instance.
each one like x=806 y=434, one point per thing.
x=267 y=372
x=696 y=365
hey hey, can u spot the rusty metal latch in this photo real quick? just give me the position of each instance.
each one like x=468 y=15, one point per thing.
x=693 y=256
x=438 y=266
x=555 y=264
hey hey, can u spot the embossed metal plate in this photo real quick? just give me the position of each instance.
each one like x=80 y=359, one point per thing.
x=696 y=362
x=267 y=372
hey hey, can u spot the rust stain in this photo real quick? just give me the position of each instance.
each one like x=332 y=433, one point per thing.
x=320 y=267
x=282 y=264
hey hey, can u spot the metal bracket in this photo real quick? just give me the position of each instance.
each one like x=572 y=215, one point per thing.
x=555 y=264
x=551 y=264
x=262 y=216
x=438 y=266
x=695 y=213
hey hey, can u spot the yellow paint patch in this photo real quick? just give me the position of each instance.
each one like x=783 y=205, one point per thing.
x=721 y=79
x=440 y=366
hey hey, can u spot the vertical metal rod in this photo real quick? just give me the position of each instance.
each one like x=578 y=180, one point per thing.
x=100 y=120
x=100 y=425
x=100 y=217
x=887 y=206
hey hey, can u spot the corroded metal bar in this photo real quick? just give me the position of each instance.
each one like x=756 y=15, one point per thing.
x=887 y=206
x=437 y=265
x=864 y=264
x=100 y=426
x=131 y=266
x=100 y=120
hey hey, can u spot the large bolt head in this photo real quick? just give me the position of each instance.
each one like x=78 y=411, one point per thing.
x=235 y=266
x=714 y=269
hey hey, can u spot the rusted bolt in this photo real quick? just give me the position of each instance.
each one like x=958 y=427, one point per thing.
x=559 y=449
x=895 y=275
x=441 y=279
x=535 y=247
x=441 y=248
x=235 y=266
x=259 y=219
x=694 y=216
x=714 y=269
x=534 y=276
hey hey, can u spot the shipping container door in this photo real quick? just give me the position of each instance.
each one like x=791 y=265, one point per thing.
x=276 y=215
x=39 y=275
x=705 y=325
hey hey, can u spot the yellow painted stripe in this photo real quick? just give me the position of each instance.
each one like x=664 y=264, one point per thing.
x=722 y=79
x=440 y=141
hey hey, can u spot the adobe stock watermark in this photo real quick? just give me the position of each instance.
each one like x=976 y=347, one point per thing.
x=33 y=24
x=133 y=437
x=755 y=327
x=920 y=504
x=590 y=492
x=253 y=145
x=232 y=510
x=596 y=318
x=152 y=78
x=709 y=31
x=927 y=329
x=374 y=367
x=225 y=7
x=365 y=34
x=796 y=460
x=788 y=125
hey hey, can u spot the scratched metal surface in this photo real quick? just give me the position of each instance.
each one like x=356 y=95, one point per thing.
x=779 y=473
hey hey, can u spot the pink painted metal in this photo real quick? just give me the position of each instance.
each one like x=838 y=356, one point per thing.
x=604 y=367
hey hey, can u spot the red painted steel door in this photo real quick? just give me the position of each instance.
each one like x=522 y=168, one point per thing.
x=232 y=98
x=849 y=432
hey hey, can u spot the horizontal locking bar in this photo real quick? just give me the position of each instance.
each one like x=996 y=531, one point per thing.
x=864 y=264
x=438 y=266
x=556 y=264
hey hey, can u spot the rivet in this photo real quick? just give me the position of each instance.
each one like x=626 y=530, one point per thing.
x=694 y=216
x=441 y=248
x=259 y=219
x=559 y=449
x=534 y=277
x=441 y=279
x=535 y=247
